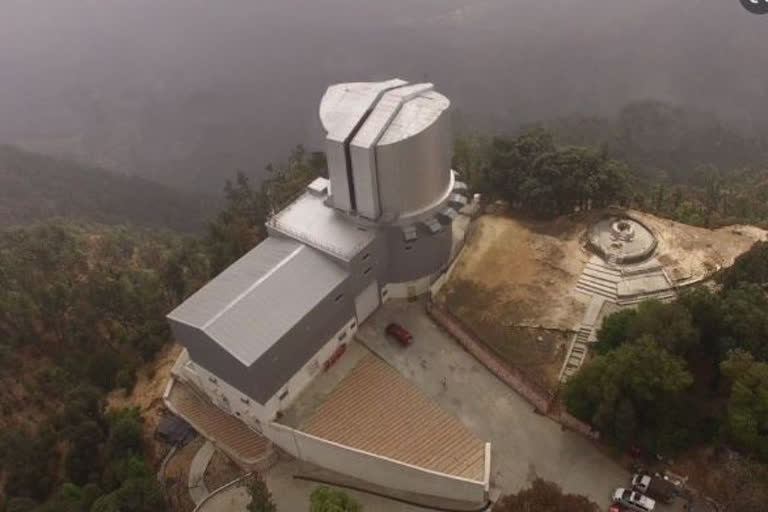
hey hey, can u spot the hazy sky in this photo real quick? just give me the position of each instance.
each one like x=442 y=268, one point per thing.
x=188 y=91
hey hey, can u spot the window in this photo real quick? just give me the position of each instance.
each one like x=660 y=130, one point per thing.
x=338 y=297
x=352 y=326
x=367 y=271
x=366 y=256
x=342 y=335
x=245 y=400
x=361 y=228
x=283 y=395
x=408 y=247
x=384 y=292
x=213 y=380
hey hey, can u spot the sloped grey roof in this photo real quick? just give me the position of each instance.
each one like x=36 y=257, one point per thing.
x=252 y=304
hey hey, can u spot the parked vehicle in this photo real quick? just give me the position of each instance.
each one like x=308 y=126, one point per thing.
x=400 y=333
x=656 y=487
x=633 y=500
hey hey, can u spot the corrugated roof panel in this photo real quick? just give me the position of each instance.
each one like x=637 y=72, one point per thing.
x=257 y=319
x=232 y=282
x=309 y=220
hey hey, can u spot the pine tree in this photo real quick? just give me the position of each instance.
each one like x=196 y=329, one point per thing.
x=261 y=498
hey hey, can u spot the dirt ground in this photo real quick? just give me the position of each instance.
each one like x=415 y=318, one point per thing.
x=515 y=280
x=147 y=395
x=221 y=470
x=689 y=253
x=513 y=285
x=519 y=273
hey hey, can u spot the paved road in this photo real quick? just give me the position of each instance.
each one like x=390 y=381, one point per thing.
x=523 y=443
x=196 y=481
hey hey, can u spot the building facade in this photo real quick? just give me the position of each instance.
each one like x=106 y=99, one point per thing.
x=378 y=228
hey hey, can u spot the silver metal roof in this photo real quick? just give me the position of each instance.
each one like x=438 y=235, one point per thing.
x=343 y=105
x=252 y=304
x=309 y=220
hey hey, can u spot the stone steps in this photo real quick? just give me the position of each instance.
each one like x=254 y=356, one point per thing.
x=596 y=283
x=589 y=290
x=599 y=274
x=602 y=267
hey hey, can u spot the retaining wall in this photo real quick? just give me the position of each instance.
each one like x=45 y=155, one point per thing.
x=375 y=469
x=539 y=399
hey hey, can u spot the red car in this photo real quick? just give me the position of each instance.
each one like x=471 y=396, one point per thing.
x=400 y=333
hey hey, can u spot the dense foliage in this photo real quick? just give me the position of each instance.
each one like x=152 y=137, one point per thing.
x=543 y=496
x=325 y=499
x=686 y=165
x=680 y=164
x=82 y=306
x=35 y=187
x=533 y=173
x=669 y=375
x=261 y=498
x=240 y=226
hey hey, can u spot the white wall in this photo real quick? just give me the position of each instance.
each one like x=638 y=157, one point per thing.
x=375 y=469
x=240 y=405
x=409 y=288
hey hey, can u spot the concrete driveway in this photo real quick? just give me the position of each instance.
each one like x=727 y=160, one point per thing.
x=524 y=443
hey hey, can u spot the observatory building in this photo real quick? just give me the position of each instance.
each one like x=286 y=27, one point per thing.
x=379 y=227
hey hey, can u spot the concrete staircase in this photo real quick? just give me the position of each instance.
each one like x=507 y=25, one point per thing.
x=576 y=354
x=599 y=278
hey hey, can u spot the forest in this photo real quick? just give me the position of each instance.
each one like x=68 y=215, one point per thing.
x=82 y=307
x=37 y=187
x=87 y=273
x=676 y=163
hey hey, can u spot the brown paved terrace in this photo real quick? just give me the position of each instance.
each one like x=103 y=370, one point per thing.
x=376 y=410
x=228 y=432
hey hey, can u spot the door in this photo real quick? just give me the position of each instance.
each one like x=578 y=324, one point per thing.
x=367 y=302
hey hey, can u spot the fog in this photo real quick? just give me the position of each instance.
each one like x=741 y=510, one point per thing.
x=188 y=91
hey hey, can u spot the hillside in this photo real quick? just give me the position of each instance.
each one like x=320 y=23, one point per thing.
x=35 y=187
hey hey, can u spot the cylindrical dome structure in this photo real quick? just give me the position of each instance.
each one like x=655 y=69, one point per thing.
x=388 y=147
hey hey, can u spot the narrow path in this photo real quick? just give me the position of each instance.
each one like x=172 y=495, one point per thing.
x=196 y=482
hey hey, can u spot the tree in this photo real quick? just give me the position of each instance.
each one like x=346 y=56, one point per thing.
x=325 y=499
x=638 y=383
x=239 y=226
x=671 y=325
x=543 y=496
x=749 y=267
x=261 y=498
x=748 y=403
x=614 y=330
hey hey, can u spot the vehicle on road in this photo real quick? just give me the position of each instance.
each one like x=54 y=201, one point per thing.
x=400 y=333
x=656 y=487
x=633 y=500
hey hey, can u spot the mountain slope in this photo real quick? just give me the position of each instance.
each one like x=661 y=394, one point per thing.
x=35 y=187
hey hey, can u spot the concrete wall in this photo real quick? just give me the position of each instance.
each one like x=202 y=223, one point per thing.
x=409 y=288
x=232 y=400
x=411 y=260
x=373 y=468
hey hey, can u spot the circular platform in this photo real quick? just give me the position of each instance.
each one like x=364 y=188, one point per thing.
x=621 y=240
